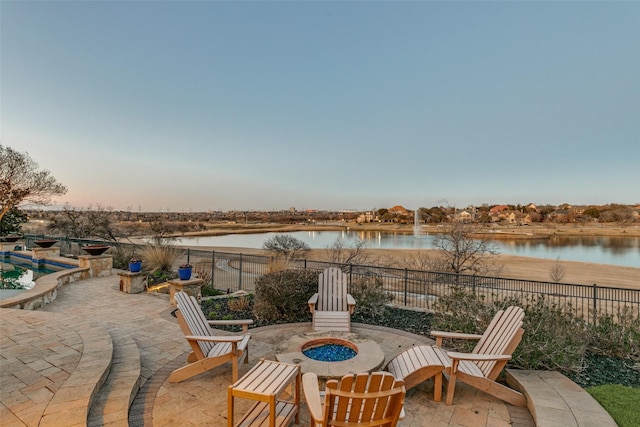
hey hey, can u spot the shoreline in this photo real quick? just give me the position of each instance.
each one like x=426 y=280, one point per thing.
x=514 y=266
x=534 y=231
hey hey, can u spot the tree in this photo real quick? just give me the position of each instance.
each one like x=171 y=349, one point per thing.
x=462 y=252
x=22 y=181
x=340 y=254
x=90 y=223
x=557 y=271
x=12 y=222
x=287 y=246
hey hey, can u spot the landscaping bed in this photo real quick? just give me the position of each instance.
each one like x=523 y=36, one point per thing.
x=597 y=369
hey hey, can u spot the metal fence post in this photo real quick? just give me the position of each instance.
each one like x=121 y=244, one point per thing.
x=406 y=282
x=595 y=301
x=240 y=274
x=213 y=269
x=188 y=255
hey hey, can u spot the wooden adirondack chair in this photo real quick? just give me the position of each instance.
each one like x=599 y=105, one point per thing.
x=374 y=399
x=332 y=306
x=479 y=369
x=209 y=350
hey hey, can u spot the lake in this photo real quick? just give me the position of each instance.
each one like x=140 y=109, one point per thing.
x=624 y=251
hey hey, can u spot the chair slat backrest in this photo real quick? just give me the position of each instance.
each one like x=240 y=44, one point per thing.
x=502 y=336
x=332 y=290
x=195 y=319
x=374 y=399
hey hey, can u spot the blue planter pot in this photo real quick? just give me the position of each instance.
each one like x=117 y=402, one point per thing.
x=135 y=267
x=184 y=273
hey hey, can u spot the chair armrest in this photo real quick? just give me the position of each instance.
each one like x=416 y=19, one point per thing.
x=243 y=322
x=221 y=338
x=439 y=335
x=313 y=301
x=477 y=357
x=351 y=303
x=311 y=390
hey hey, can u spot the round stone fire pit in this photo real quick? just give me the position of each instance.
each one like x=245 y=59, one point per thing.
x=329 y=349
x=368 y=354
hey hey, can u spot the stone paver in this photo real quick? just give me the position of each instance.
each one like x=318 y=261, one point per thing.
x=40 y=351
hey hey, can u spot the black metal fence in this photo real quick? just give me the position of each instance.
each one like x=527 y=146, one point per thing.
x=230 y=272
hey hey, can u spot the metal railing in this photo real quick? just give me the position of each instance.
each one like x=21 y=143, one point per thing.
x=418 y=289
x=231 y=272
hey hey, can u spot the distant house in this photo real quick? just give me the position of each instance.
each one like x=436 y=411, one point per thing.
x=464 y=216
x=399 y=210
x=365 y=217
x=498 y=208
x=498 y=213
x=559 y=215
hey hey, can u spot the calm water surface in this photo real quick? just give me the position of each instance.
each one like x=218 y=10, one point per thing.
x=624 y=251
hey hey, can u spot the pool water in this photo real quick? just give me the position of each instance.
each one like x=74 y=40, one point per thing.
x=330 y=353
x=19 y=276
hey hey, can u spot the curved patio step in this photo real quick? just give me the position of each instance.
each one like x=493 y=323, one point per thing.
x=556 y=401
x=52 y=367
x=111 y=406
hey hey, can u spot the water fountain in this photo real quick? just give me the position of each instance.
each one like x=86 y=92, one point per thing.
x=417 y=229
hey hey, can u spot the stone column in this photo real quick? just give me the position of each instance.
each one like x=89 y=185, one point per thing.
x=7 y=247
x=39 y=254
x=132 y=283
x=99 y=265
x=192 y=287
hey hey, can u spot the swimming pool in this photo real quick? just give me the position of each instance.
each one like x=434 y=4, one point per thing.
x=16 y=277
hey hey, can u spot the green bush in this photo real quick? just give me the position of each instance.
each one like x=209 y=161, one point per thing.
x=553 y=339
x=370 y=296
x=282 y=296
x=462 y=311
x=617 y=336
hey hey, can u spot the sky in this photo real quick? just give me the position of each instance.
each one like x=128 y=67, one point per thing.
x=261 y=105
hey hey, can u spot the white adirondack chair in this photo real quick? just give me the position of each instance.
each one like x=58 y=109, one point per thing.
x=209 y=350
x=332 y=306
x=479 y=369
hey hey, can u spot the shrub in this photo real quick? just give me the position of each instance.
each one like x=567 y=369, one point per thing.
x=554 y=338
x=617 y=336
x=462 y=311
x=160 y=276
x=282 y=296
x=203 y=270
x=277 y=264
x=239 y=304
x=370 y=295
x=121 y=256
x=160 y=257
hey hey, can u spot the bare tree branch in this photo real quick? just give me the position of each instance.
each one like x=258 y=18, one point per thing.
x=21 y=181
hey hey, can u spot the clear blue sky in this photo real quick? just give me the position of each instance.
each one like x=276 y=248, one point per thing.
x=325 y=105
